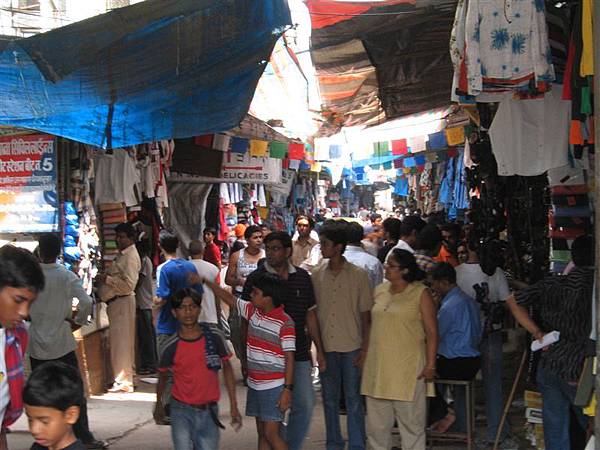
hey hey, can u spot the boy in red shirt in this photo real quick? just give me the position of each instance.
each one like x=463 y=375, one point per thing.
x=195 y=356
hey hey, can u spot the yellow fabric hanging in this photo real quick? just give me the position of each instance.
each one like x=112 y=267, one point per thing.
x=455 y=136
x=590 y=410
x=259 y=148
x=587 y=55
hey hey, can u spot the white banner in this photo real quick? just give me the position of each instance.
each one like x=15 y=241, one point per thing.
x=239 y=168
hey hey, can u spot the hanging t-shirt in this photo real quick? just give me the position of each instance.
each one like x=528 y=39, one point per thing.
x=470 y=274
x=530 y=137
x=116 y=178
x=4 y=390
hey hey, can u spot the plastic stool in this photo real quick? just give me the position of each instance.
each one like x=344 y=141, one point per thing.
x=467 y=437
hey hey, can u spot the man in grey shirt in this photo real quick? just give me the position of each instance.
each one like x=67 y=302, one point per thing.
x=53 y=319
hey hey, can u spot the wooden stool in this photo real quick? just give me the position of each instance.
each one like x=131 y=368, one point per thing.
x=469 y=436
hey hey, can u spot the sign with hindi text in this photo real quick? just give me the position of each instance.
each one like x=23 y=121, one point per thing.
x=28 y=193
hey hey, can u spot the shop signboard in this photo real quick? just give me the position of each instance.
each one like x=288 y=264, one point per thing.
x=28 y=193
x=239 y=168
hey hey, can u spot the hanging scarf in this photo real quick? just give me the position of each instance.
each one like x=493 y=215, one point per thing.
x=16 y=343
x=211 y=347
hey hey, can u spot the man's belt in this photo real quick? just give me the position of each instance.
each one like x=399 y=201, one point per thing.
x=211 y=407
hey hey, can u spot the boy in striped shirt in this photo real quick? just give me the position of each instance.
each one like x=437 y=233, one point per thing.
x=270 y=350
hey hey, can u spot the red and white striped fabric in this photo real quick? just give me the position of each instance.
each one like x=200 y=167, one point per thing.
x=269 y=336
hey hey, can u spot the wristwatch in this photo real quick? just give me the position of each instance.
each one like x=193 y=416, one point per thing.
x=289 y=387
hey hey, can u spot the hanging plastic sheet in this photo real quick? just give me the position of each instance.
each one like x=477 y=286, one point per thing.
x=155 y=70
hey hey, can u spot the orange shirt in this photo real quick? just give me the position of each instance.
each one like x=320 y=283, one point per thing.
x=445 y=256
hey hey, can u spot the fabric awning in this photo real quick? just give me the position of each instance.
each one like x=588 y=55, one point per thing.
x=377 y=61
x=158 y=69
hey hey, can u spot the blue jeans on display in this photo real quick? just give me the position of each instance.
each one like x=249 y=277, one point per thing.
x=340 y=369
x=491 y=372
x=303 y=403
x=557 y=396
x=193 y=428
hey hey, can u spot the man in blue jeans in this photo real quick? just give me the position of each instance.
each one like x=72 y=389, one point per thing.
x=301 y=307
x=344 y=302
x=564 y=304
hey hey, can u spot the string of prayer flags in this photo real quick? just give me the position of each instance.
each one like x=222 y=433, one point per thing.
x=420 y=160
x=278 y=150
x=455 y=136
x=437 y=141
x=335 y=151
x=259 y=148
x=381 y=148
x=221 y=142
x=398 y=163
x=399 y=147
x=296 y=151
x=409 y=162
x=387 y=165
x=239 y=145
x=417 y=144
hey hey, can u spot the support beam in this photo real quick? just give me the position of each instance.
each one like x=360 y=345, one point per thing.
x=596 y=176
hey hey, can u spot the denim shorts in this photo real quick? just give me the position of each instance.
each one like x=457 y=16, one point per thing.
x=263 y=404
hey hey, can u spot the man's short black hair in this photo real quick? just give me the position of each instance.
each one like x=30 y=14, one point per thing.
x=355 y=233
x=281 y=236
x=128 y=229
x=374 y=217
x=410 y=224
x=168 y=241
x=273 y=286
x=336 y=232
x=209 y=230
x=392 y=226
x=251 y=230
x=310 y=220
x=266 y=225
x=54 y=385
x=20 y=269
x=143 y=248
x=50 y=246
x=196 y=247
x=583 y=251
x=443 y=271
x=429 y=238
x=178 y=297
x=452 y=228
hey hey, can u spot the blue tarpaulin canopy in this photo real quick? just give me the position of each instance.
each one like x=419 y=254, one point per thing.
x=155 y=70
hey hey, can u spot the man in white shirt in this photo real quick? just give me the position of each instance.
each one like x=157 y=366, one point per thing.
x=210 y=305
x=489 y=289
x=53 y=318
x=358 y=256
x=409 y=230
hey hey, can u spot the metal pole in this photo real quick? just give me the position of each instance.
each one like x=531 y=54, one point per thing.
x=596 y=29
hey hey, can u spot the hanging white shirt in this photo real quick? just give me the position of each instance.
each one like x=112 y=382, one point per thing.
x=4 y=389
x=530 y=137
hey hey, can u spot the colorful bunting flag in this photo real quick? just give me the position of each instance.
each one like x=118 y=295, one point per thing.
x=278 y=150
x=387 y=165
x=417 y=144
x=420 y=160
x=452 y=152
x=335 y=151
x=296 y=151
x=455 y=136
x=259 y=148
x=381 y=148
x=437 y=141
x=206 y=140
x=221 y=142
x=239 y=145
x=295 y=163
x=398 y=163
x=399 y=147
x=409 y=162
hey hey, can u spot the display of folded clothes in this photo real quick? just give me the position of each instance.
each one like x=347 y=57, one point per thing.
x=110 y=245
x=567 y=233
x=558 y=267
x=110 y=206
x=565 y=222
x=575 y=211
x=570 y=200
x=560 y=255
x=561 y=244
x=576 y=189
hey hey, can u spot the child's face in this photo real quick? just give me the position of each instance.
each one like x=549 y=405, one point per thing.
x=51 y=427
x=259 y=300
x=209 y=237
x=14 y=305
x=187 y=313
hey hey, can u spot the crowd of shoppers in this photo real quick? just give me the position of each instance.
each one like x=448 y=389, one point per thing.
x=380 y=333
